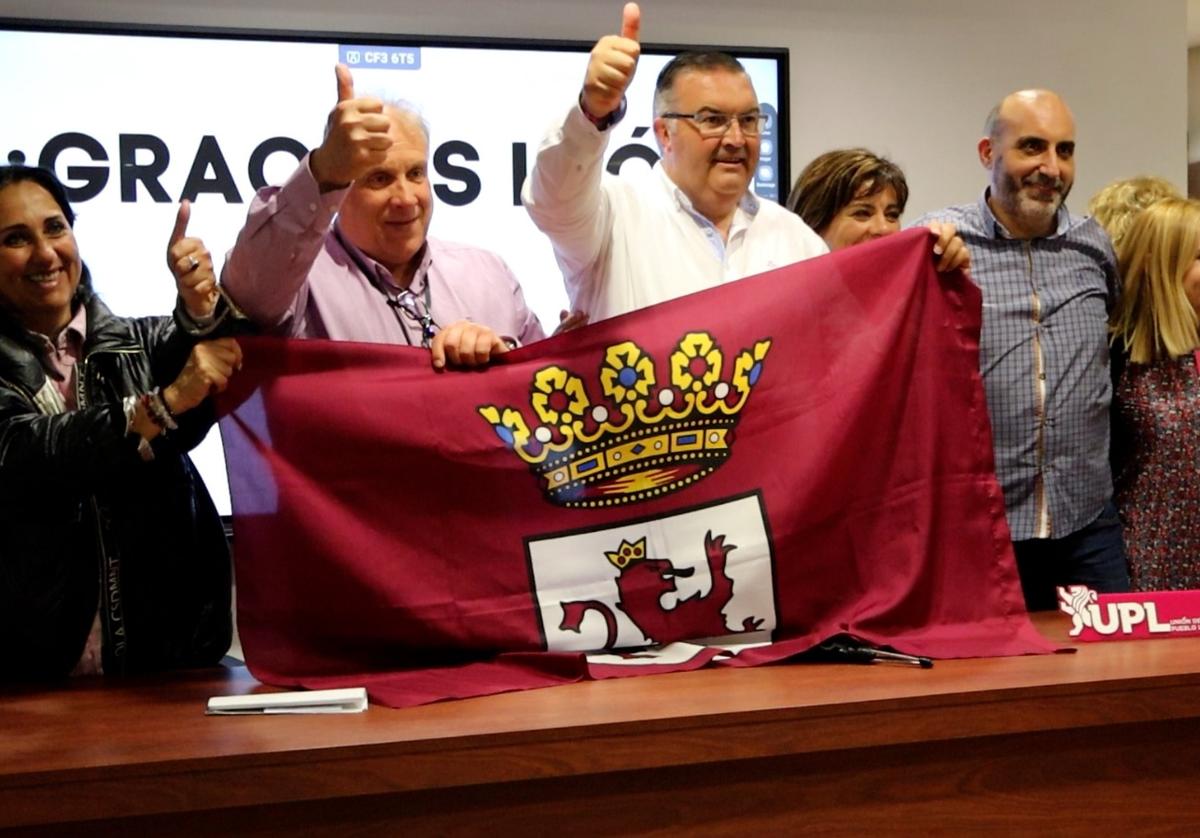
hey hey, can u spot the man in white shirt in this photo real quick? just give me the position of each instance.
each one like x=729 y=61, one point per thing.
x=692 y=222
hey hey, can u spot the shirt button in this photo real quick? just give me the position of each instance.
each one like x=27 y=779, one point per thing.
x=312 y=207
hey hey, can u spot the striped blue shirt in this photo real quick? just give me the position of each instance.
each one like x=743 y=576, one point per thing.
x=1044 y=358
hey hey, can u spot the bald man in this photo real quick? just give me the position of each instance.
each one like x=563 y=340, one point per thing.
x=1049 y=279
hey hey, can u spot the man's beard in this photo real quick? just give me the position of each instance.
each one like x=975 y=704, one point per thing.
x=1030 y=210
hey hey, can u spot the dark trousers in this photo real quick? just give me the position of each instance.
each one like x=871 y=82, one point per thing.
x=1093 y=556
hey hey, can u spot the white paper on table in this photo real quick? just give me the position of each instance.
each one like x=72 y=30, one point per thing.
x=348 y=700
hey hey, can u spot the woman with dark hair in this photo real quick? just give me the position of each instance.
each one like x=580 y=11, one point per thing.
x=850 y=196
x=112 y=556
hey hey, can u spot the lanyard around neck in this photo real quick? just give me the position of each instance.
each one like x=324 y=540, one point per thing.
x=403 y=302
x=400 y=302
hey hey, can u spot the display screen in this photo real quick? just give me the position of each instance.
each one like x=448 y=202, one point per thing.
x=134 y=120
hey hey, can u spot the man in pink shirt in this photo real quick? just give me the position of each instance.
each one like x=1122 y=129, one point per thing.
x=341 y=249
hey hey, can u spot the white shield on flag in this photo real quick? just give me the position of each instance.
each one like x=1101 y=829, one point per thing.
x=703 y=573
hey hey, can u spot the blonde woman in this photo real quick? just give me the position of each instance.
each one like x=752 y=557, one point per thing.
x=1156 y=404
x=1116 y=205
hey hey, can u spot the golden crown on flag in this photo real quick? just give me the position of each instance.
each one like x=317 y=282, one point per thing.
x=628 y=552
x=641 y=440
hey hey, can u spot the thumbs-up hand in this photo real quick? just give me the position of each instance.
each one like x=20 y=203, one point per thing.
x=356 y=138
x=611 y=66
x=191 y=265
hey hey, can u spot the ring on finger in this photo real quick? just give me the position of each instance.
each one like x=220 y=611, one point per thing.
x=193 y=263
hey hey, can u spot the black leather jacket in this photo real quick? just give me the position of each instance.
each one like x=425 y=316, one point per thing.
x=83 y=520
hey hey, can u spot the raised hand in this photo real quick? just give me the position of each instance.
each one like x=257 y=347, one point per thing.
x=356 y=139
x=612 y=65
x=191 y=265
x=207 y=371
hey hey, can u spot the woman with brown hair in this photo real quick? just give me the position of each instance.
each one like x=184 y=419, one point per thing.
x=850 y=196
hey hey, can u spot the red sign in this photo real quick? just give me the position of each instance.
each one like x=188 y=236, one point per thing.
x=1130 y=616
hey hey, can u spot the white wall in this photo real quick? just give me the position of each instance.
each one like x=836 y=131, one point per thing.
x=910 y=78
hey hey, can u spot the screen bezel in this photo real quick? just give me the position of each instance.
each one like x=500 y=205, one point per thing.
x=779 y=54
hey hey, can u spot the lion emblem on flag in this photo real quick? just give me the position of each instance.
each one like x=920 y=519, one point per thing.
x=644 y=582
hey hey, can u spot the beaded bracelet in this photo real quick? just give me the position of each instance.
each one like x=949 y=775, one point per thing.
x=129 y=407
x=158 y=411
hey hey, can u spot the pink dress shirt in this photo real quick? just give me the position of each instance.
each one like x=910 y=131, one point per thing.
x=59 y=357
x=294 y=274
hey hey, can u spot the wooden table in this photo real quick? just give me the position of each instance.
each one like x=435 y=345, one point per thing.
x=1090 y=743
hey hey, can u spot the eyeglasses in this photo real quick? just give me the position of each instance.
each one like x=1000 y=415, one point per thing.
x=715 y=123
x=407 y=302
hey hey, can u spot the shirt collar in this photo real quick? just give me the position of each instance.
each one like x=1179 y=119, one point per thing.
x=76 y=330
x=995 y=229
x=377 y=273
x=61 y=352
x=72 y=335
x=748 y=204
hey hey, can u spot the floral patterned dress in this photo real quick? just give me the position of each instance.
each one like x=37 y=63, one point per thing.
x=1156 y=446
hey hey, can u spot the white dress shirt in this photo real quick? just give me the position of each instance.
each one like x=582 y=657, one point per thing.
x=627 y=242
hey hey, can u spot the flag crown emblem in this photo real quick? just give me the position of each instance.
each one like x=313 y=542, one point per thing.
x=628 y=552
x=631 y=438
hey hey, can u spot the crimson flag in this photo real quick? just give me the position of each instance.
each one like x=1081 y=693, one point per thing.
x=729 y=478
